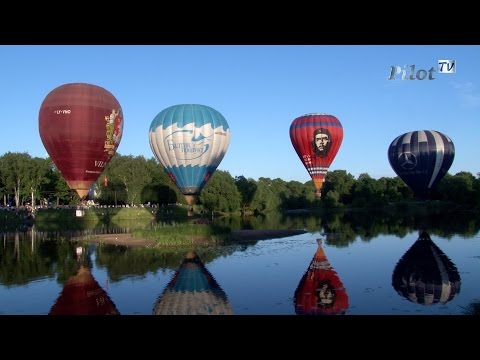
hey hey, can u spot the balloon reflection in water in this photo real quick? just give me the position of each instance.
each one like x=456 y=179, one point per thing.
x=82 y=295
x=425 y=275
x=192 y=291
x=320 y=292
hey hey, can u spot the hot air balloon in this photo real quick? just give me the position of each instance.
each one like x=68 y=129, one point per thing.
x=320 y=291
x=316 y=139
x=189 y=141
x=192 y=291
x=425 y=275
x=81 y=127
x=82 y=295
x=421 y=159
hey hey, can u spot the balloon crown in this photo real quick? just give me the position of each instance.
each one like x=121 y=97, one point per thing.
x=318 y=113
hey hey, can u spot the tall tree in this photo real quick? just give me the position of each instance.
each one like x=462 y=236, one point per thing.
x=265 y=198
x=458 y=188
x=38 y=170
x=132 y=173
x=247 y=188
x=341 y=182
x=15 y=173
x=295 y=196
x=161 y=189
x=221 y=193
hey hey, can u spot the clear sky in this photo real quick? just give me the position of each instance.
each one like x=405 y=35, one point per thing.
x=260 y=90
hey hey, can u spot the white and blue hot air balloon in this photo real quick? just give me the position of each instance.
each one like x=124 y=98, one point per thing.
x=189 y=141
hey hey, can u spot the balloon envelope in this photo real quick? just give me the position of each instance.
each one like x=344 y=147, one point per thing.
x=316 y=138
x=189 y=141
x=192 y=291
x=421 y=159
x=82 y=295
x=81 y=127
x=320 y=291
x=425 y=275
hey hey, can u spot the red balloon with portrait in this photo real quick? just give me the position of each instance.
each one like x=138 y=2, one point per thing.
x=316 y=138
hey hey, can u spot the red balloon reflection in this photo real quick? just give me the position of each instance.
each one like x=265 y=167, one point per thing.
x=320 y=291
x=82 y=295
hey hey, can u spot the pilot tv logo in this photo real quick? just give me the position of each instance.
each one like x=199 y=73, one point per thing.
x=410 y=72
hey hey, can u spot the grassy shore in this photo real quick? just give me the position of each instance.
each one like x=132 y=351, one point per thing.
x=182 y=234
x=166 y=226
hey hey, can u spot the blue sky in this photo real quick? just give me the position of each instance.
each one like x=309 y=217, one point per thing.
x=260 y=90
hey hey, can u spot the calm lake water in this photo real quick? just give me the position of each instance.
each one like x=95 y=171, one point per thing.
x=373 y=265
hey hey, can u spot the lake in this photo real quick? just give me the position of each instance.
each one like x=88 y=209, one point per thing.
x=348 y=264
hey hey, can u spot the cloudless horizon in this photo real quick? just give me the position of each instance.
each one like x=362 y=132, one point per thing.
x=260 y=90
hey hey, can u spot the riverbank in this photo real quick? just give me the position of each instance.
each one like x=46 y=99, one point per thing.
x=236 y=236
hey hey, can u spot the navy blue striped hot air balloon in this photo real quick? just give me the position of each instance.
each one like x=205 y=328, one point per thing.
x=421 y=159
x=189 y=141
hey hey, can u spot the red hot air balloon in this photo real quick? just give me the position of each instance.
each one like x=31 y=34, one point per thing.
x=316 y=139
x=81 y=127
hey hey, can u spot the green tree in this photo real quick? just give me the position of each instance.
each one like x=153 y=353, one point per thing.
x=396 y=189
x=295 y=196
x=3 y=187
x=265 y=198
x=368 y=192
x=128 y=175
x=247 y=188
x=458 y=188
x=279 y=189
x=341 y=182
x=476 y=189
x=331 y=200
x=62 y=191
x=38 y=170
x=161 y=190
x=15 y=173
x=220 y=193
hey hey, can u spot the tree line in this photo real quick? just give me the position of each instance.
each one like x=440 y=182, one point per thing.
x=135 y=180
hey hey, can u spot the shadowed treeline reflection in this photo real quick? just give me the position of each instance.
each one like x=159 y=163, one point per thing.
x=27 y=256
x=425 y=275
x=30 y=255
x=82 y=295
x=192 y=291
x=320 y=291
x=122 y=261
x=343 y=227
